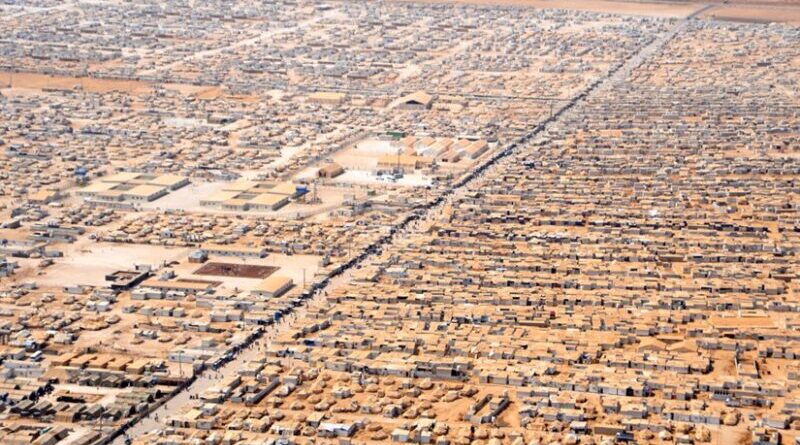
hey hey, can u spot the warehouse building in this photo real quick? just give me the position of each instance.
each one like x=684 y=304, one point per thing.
x=253 y=195
x=132 y=187
x=274 y=286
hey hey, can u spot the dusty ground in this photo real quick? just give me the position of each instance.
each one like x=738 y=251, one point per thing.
x=226 y=269
x=90 y=265
x=99 y=85
x=755 y=14
x=758 y=2
x=42 y=81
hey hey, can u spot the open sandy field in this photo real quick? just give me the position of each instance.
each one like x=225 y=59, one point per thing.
x=755 y=14
x=99 y=85
x=90 y=265
x=44 y=81
x=759 y=2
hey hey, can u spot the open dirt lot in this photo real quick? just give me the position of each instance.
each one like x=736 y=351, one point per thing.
x=755 y=14
x=43 y=81
x=90 y=265
x=95 y=85
x=235 y=270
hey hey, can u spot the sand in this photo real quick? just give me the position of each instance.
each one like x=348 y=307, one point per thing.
x=754 y=14
x=44 y=81
x=90 y=265
x=103 y=85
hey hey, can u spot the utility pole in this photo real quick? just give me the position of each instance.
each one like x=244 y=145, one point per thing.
x=397 y=170
x=315 y=198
